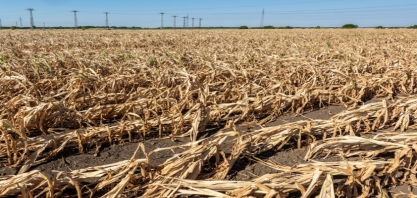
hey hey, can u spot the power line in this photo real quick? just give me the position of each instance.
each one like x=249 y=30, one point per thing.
x=354 y=9
x=280 y=11
x=308 y=14
x=32 y=23
x=135 y=11
x=320 y=10
x=75 y=18
x=209 y=8
x=204 y=8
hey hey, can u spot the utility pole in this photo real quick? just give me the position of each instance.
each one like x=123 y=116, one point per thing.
x=21 y=22
x=107 y=19
x=175 y=20
x=184 y=21
x=75 y=18
x=199 y=25
x=262 y=19
x=192 y=22
x=32 y=24
x=162 y=19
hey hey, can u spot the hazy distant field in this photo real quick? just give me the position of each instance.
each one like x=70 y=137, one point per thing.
x=233 y=113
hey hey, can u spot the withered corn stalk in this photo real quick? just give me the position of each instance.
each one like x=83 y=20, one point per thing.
x=66 y=89
x=346 y=123
x=187 y=166
x=289 y=179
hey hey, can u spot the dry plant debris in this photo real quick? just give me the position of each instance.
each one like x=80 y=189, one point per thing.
x=84 y=89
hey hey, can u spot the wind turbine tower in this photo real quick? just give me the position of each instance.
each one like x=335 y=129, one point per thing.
x=32 y=23
x=75 y=18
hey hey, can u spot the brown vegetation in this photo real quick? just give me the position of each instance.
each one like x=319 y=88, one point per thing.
x=82 y=89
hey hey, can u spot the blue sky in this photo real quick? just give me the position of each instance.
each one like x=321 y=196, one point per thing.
x=226 y=13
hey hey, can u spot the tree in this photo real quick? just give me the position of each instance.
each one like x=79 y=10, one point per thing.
x=380 y=27
x=13 y=27
x=243 y=27
x=350 y=26
x=269 y=27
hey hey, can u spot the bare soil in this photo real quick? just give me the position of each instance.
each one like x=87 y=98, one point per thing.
x=71 y=159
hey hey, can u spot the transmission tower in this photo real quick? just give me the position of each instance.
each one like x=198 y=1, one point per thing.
x=75 y=18
x=199 y=24
x=175 y=20
x=16 y=24
x=43 y=24
x=187 y=20
x=0 y=24
x=32 y=24
x=21 y=22
x=107 y=19
x=162 y=19
x=184 y=21
x=192 y=23
x=262 y=19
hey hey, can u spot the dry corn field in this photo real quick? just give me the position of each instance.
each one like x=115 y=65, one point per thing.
x=208 y=113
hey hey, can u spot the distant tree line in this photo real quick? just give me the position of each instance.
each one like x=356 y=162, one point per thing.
x=266 y=27
x=345 y=26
